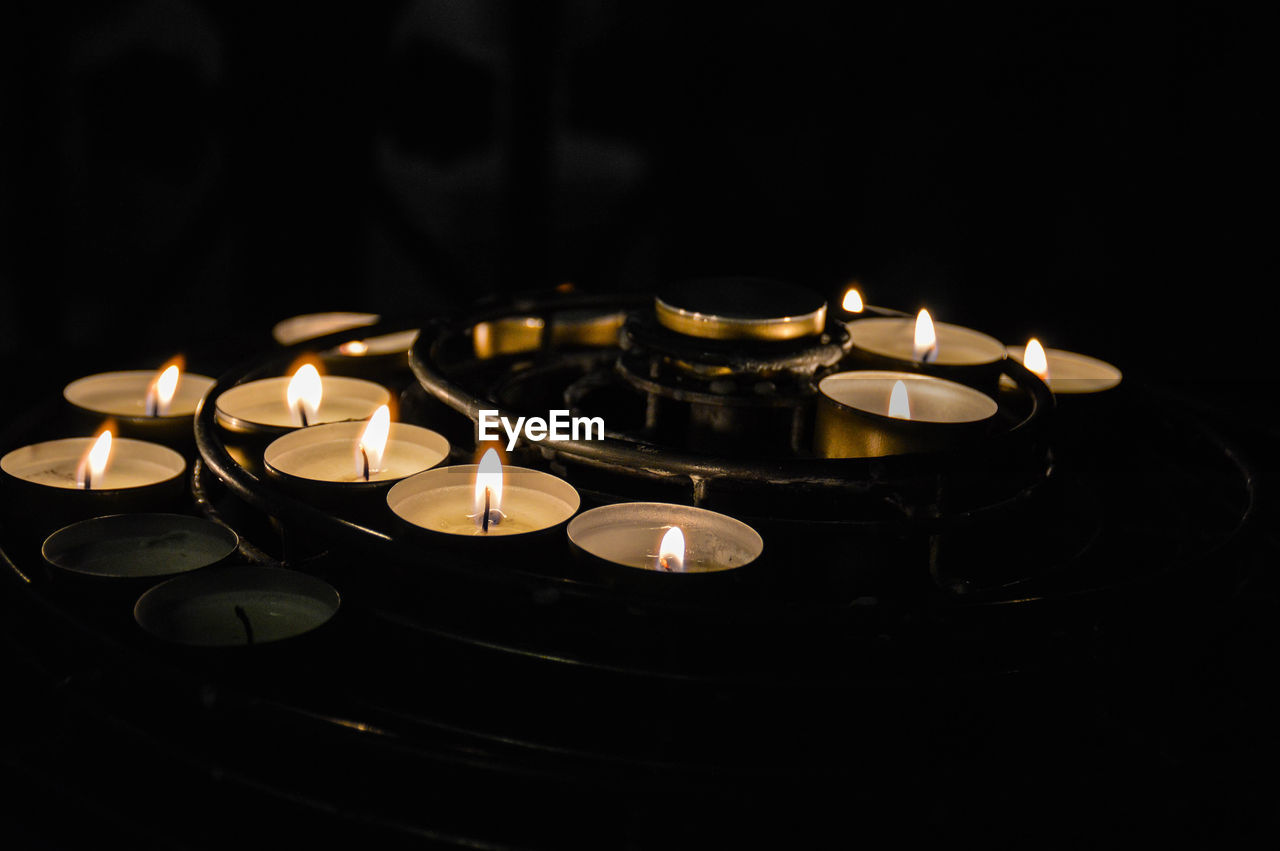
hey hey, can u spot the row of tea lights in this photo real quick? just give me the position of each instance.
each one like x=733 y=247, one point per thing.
x=332 y=437
x=321 y=444
x=926 y=396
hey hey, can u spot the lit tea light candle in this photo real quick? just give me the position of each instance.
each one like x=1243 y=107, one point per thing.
x=381 y=357
x=298 y=329
x=920 y=340
x=236 y=606
x=398 y=343
x=139 y=546
x=871 y=413
x=328 y=463
x=1065 y=372
x=304 y=399
x=485 y=500
x=58 y=481
x=353 y=348
x=662 y=539
x=157 y=405
x=100 y=463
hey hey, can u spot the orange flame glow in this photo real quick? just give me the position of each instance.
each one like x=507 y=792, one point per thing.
x=372 y=444
x=354 y=348
x=671 y=550
x=94 y=464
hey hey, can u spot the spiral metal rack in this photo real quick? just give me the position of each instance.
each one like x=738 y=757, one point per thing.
x=492 y=703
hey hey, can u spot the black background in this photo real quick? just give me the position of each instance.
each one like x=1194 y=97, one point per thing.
x=1093 y=173
x=180 y=176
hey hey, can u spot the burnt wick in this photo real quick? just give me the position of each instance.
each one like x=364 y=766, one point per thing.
x=244 y=620
x=484 y=520
x=364 y=461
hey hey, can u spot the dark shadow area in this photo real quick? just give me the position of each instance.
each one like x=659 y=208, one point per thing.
x=178 y=177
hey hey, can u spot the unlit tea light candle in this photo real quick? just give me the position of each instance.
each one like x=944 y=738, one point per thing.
x=236 y=606
x=139 y=546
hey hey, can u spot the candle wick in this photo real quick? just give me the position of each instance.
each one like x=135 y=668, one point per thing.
x=302 y=415
x=244 y=620
x=88 y=478
x=364 y=460
x=153 y=403
x=484 y=520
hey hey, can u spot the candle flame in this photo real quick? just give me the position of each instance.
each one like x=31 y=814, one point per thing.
x=671 y=550
x=354 y=347
x=94 y=463
x=161 y=391
x=1035 y=360
x=488 y=478
x=899 y=405
x=372 y=444
x=926 y=340
x=852 y=301
x=304 y=393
